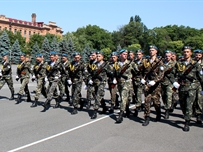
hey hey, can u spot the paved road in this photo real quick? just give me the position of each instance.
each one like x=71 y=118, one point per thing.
x=28 y=129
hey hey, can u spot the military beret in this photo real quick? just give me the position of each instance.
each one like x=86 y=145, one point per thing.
x=198 y=51
x=52 y=53
x=76 y=53
x=186 y=47
x=123 y=50
x=4 y=54
x=22 y=54
x=147 y=57
x=153 y=47
x=39 y=55
x=167 y=51
x=114 y=54
x=99 y=52
x=174 y=53
x=141 y=51
x=65 y=55
x=92 y=52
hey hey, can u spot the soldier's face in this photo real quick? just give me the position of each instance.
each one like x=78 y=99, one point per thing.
x=168 y=56
x=64 y=59
x=94 y=56
x=39 y=59
x=22 y=58
x=187 y=53
x=152 y=52
x=91 y=58
x=132 y=56
x=52 y=58
x=173 y=57
x=77 y=58
x=114 y=58
x=5 y=57
x=124 y=55
x=198 y=56
x=100 y=57
x=139 y=56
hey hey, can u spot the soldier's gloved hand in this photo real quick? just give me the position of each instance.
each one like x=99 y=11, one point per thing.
x=114 y=81
x=17 y=78
x=90 y=82
x=45 y=79
x=85 y=87
x=69 y=81
x=33 y=78
x=143 y=81
x=176 y=85
x=152 y=83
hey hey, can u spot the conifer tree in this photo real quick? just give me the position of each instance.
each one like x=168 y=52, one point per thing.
x=15 y=52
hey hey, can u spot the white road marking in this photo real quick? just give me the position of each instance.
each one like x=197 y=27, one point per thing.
x=64 y=132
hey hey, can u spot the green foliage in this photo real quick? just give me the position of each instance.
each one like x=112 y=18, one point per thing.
x=133 y=47
x=86 y=52
x=107 y=53
x=33 y=39
x=71 y=47
x=176 y=46
x=63 y=47
x=4 y=42
x=45 y=48
x=54 y=46
x=35 y=51
x=15 y=53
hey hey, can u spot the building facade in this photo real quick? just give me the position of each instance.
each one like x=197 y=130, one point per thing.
x=27 y=28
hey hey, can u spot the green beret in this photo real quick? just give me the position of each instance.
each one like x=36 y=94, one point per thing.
x=4 y=54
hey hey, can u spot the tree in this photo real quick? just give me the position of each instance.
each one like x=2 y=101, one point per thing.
x=71 y=47
x=35 y=51
x=4 y=43
x=15 y=52
x=45 y=48
x=33 y=39
x=86 y=53
x=63 y=47
x=54 y=46
x=107 y=52
x=118 y=48
x=133 y=47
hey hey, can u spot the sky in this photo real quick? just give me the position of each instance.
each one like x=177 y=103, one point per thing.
x=107 y=14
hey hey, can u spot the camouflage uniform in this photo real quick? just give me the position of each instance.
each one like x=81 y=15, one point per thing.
x=152 y=93
x=23 y=72
x=6 y=77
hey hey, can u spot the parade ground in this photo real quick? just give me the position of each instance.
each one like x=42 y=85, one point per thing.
x=29 y=129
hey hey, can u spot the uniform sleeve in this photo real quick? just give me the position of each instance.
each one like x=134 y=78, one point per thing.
x=6 y=68
x=160 y=73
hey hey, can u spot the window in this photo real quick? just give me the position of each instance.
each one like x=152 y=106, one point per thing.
x=15 y=31
x=33 y=32
x=25 y=33
x=20 y=31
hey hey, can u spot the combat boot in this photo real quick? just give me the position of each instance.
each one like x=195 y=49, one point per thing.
x=120 y=117
x=34 y=104
x=167 y=114
x=81 y=104
x=111 y=109
x=136 y=113
x=199 y=120
x=186 y=128
x=158 y=114
x=146 y=122
x=12 y=97
x=127 y=111
x=46 y=104
x=28 y=98
x=18 y=99
x=104 y=108
x=88 y=104
x=94 y=115
x=75 y=111
x=58 y=100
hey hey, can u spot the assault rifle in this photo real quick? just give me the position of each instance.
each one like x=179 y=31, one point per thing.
x=120 y=74
x=96 y=74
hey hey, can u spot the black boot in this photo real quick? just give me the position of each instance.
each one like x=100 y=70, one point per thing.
x=127 y=111
x=75 y=111
x=12 y=97
x=120 y=117
x=18 y=99
x=58 y=100
x=158 y=114
x=146 y=122
x=34 y=104
x=81 y=104
x=104 y=108
x=46 y=105
x=136 y=112
x=28 y=98
x=111 y=109
x=117 y=102
x=94 y=115
x=199 y=120
x=186 y=127
x=167 y=114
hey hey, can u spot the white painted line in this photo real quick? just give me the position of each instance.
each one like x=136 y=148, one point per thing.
x=62 y=133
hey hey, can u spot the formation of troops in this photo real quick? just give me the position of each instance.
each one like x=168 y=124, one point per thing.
x=128 y=75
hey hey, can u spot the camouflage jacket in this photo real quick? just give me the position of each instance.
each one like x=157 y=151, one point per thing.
x=168 y=78
x=77 y=71
x=6 y=70
x=90 y=65
x=156 y=74
x=111 y=72
x=64 y=69
x=53 y=70
x=39 y=70
x=188 y=80
x=137 y=76
x=24 y=70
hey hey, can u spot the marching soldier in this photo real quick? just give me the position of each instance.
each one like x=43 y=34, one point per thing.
x=98 y=79
x=153 y=71
x=77 y=70
x=6 y=74
x=53 y=76
x=90 y=67
x=188 y=73
x=23 y=73
x=113 y=66
x=167 y=82
x=39 y=74
x=124 y=81
x=197 y=106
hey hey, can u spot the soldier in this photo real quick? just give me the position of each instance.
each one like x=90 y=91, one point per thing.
x=39 y=74
x=113 y=66
x=188 y=73
x=153 y=72
x=167 y=82
x=6 y=74
x=124 y=79
x=131 y=55
x=136 y=82
x=197 y=106
x=53 y=75
x=98 y=79
x=77 y=70
x=23 y=73
x=90 y=67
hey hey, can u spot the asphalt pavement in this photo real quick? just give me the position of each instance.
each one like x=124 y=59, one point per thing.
x=29 y=129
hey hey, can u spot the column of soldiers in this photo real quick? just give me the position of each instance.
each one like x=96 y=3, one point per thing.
x=128 y=75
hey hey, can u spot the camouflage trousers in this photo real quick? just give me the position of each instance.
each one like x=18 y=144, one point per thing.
x=63 y=87
x=98 y=91
x=152 y=95
x=41 y=88
x=52 y=89
x=90 y=91
x=137 y=88
x=125 y=90
x=113 y=93
x=198 y=103
x=76 y=93
x=9 y=82
x=167 y=93
x=24 y=86
x=187 y=99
